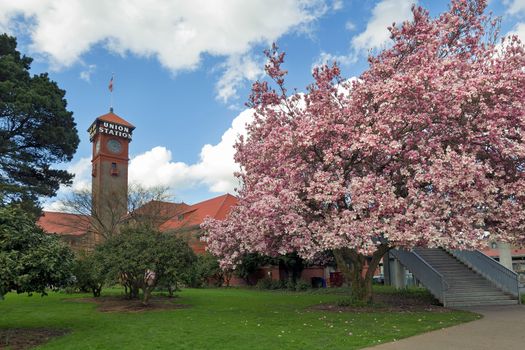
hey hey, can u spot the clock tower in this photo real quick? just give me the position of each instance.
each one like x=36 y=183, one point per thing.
x=110 y=136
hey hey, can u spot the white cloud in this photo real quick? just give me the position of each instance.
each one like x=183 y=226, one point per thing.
x=176 y=32
x=81 y=181
x=237 y=70
x=376 y=34
x=350 y=26
x=156 y=167
x=328 y=58
x=519 y=30
x=337 y=5
x=515 y=6
x=86 y=74
x=214 y=170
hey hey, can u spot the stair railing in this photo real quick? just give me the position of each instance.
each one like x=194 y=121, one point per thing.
x=489 y=268
x=425 y=273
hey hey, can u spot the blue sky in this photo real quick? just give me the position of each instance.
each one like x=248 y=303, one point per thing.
x=183 y=69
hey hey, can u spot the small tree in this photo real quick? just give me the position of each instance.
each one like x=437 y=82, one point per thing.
x=205 y=270
x=30 y=260
x=426 y=148
x=140 y=258
x=144 y=207
x=89 y=273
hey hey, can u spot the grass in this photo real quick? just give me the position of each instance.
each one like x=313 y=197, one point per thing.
x=220 y=319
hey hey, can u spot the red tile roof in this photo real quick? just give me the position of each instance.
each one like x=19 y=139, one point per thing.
x=113 y=118
x=217 y=208
x=161 y=208
x=64 y=223
x=180 y=215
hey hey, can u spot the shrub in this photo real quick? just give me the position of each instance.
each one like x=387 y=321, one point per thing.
x=30 y=260
x=352 y=301
x=264 y=283
x=205 y=271
x=88 y=274
x=302 y=286
x=269 y=284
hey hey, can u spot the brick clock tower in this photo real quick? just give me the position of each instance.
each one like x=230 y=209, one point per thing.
x=110 y=136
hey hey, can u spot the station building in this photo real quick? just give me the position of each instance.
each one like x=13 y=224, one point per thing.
x=110 y=136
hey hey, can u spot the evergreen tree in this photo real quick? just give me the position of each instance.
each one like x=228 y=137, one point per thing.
x=36 y=130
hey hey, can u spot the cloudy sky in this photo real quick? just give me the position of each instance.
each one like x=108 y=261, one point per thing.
x=183 y=68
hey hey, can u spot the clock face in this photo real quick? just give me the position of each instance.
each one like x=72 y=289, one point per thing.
x=97 y=147
x=114 y=146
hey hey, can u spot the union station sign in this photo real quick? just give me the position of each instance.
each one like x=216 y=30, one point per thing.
x=103 y=127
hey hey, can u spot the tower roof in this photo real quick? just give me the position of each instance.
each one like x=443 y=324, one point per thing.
x=113 y=118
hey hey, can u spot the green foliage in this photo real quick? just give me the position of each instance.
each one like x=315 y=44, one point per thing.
x=291 y=264
x=302 y=286
x=269 y=284
x=206 y=270
x=352 y=301
x=141 y=258
x=30 y=260
x=89 y=273
x=36 y=130
x=249 y=265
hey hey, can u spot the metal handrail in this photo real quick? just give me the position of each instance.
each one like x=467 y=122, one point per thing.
x=492 y=270
x=447 y=286
x=424 y=272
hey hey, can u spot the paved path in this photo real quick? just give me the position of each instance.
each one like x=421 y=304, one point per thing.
x=501 y=328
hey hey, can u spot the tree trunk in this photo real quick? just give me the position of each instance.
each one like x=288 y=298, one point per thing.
x=97 y=290
x=227 y=277
x=352 y=265
x=146 y=295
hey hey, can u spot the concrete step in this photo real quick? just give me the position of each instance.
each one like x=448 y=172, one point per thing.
x=477 y=292
x=479 y=303
x=460 y=289
x=478 y=297
x=472 y=288
x=466 y=279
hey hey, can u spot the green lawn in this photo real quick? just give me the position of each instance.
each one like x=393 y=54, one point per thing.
x=219 y=319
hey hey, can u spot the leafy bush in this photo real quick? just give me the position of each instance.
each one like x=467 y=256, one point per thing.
x=269 y=284
x=352 y=301
x=88 y=273
x=265 y=283
x=30 y=260
x=205 y=271
x=302 y=286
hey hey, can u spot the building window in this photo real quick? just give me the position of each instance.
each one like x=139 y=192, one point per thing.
x=114 y=170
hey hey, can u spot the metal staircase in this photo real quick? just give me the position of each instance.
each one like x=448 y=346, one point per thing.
x=461 y=278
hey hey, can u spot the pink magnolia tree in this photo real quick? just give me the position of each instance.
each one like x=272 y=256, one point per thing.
x=426 y=149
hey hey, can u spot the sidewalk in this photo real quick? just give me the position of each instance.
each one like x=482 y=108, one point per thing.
x=501 y=328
